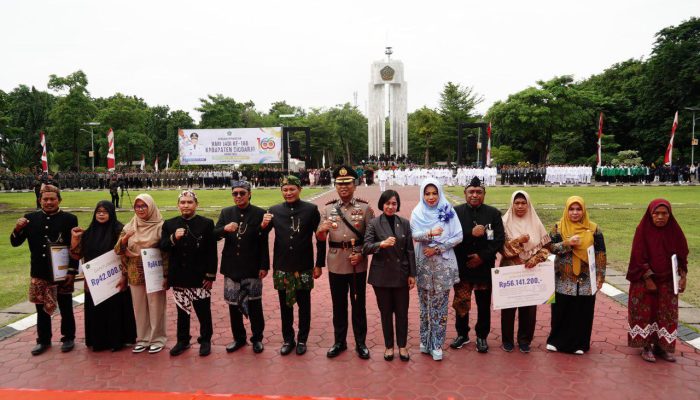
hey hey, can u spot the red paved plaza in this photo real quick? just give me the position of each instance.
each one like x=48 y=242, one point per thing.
x=609 y=370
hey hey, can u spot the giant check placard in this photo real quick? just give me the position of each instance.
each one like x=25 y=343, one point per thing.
x=102 y=275
x=517 y=286
x=230 y=146
x=152 y=269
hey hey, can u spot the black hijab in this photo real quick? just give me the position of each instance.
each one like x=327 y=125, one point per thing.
x=101 y=238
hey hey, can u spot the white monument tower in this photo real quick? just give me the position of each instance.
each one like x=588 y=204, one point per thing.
x=387 y=75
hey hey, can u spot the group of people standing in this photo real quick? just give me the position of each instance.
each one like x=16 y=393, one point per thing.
x=441 y=248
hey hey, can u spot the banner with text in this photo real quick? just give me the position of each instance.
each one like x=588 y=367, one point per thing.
x=230 y=146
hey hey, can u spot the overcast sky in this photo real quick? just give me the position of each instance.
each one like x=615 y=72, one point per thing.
x=318 y=53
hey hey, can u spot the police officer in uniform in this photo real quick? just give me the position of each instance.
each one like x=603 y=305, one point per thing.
x=343 y=225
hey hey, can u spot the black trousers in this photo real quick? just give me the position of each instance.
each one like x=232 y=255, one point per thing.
x=287 y=313
x=257 y=321
x=115 y=200
x=340 y=285
x=572 y=323
x=483 y=316
x=43 y=320
x=527 y=317
x=393 y=308
x=202 y=308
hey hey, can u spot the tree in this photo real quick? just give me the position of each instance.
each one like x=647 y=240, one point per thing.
x=221 y=112
x=423 y=124
x=70 y=112
x=127 y=116
x=457 y=104
x=531 y=118
x=505 y=155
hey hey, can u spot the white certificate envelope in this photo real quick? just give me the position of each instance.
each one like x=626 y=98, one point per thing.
x=102 y=274
x=152 y=269
x=591 y=270
x=59 y=262
x=674 y=272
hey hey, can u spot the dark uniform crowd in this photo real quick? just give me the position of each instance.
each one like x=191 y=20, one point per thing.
x=518 y=175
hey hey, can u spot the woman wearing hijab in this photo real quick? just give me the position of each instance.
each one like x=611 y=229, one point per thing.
x=653 y=305
x=572 y=312
x=144 y=232
x=110 y=324
x=392 y=273
x=436 y=231
x=526 y=238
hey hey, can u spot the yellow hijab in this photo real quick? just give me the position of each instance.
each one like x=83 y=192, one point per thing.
x=584 y=229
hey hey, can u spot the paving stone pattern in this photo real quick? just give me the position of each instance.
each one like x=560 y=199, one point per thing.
x=609 y=370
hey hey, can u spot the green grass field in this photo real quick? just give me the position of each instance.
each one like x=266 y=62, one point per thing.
x=617 y=210
x=14 y=266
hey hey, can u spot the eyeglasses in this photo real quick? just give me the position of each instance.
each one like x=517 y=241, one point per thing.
x=102 y=212
x=141 y=207
x=239 y=194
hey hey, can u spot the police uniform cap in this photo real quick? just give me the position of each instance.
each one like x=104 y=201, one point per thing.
x=344 y=174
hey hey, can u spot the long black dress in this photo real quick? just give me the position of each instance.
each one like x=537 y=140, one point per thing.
x=111 y=324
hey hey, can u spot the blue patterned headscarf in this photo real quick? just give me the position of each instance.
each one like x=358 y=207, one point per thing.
x=442 y=214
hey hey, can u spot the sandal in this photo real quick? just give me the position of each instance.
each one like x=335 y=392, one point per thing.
x=647 y=355
x=138 y=349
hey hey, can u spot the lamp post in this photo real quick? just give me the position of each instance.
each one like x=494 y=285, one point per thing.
x=692 y=144
x=92 y=142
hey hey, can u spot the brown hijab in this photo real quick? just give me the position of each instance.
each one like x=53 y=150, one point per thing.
x=652 y=247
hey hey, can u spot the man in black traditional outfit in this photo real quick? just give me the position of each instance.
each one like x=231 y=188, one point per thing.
x=245 y=262
x=295 y=222
x=190 y=241
x=49 y=231
x=484 y=235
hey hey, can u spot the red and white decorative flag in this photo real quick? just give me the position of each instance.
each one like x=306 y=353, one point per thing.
x=599 y=157
x=143 y=162
x=488 y=146
x=167 y=162
x=44 y=158
x=155 y=164
x=110 y=151
x=668 y=158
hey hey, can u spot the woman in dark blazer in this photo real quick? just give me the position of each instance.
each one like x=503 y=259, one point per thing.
x=392 y=271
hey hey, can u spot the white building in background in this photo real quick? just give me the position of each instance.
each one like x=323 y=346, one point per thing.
x=386 y=77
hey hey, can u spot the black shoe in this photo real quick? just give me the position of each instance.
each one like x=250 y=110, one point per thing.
x=40 y=348
x=287 y=348
x=524 y=347
x=404 y=357
x=362 y=351
x=68 y=345
x=258 y=347
x=388 y=356
x=179 y=348
x=459 y=342
x=301 y=348
x=481 y=345
x=235 y=345
x=205 y=349
x=507 y=347
x=336 y=349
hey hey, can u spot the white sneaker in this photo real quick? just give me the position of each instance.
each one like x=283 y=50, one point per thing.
x=551 y=348
x=437 y=354
x=579 y=352
x=155 y=348
x=423 y=349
